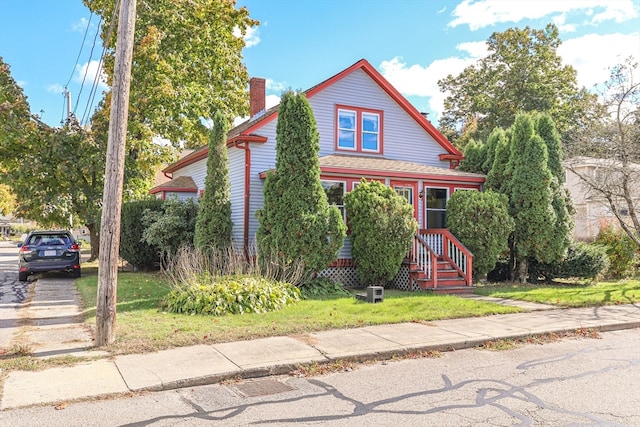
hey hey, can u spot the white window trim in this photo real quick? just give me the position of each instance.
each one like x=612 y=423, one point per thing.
x=355 y=130
x=426 y=208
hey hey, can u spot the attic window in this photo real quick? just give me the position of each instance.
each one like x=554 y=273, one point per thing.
x=358 y=129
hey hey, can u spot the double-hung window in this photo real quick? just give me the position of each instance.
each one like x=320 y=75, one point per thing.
x=358 y=129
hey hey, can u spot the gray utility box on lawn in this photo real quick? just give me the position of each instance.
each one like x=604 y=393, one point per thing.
x=374 y=294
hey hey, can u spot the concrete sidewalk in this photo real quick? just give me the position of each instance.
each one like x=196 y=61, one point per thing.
x=207 y=364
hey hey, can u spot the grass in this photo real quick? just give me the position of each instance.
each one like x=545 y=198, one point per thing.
x=142 y=326
x=569 y=295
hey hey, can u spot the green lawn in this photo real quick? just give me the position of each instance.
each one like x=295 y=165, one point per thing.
x=620 y=292
x=141 y=326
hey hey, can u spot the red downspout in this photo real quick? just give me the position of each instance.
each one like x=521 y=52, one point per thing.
x=247 y=193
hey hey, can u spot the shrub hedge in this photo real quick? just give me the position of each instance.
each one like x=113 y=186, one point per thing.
x=132 y=248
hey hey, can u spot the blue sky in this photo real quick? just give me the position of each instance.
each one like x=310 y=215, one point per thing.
x=298 y=44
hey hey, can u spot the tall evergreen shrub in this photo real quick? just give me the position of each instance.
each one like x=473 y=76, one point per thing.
x=296 y=221
x=213 y=225
x=561 y=198
x=531 y=197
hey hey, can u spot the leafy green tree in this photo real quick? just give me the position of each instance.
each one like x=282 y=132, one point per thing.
x=170 y=228
x=16 y=121
x=382 y=229
x=187 y=64
x=482 y=223
x=296 y=221
x=7 y=200
x=214 y=226
x=530 y=197
x=522 y=73
x=57 y=174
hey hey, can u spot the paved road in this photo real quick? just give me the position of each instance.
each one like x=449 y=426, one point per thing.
x=12 y=294
x=590 y=382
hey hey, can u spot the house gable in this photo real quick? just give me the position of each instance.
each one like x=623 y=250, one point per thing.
x=448 y=151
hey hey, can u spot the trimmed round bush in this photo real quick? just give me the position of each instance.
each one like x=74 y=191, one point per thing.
x=219 y=296
x=382 y=229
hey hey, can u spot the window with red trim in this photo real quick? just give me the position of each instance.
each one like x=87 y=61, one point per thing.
x=358 y=129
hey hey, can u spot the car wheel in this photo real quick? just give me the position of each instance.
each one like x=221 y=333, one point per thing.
x=76 y=273
x=22 y=277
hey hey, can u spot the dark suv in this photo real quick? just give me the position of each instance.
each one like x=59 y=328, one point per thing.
x=48 y=251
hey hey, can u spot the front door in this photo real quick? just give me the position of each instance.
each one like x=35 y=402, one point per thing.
x=435 y=205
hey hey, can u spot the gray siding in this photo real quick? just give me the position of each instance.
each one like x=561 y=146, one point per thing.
x=236 y=181
x=197 y=171
x=263 y=158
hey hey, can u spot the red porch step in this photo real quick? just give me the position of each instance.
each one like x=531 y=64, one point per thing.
x=449 y=280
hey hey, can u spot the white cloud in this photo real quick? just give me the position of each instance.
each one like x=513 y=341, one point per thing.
x=618 y=11
x=275 y=86
x=478 y=14
x=21 y=83
x=271 y=101
x=87 y=73
x=55 y=88
x=80 y=26
x=251 y=36
x=476 y=50
x=593 y=55
x=417 y=80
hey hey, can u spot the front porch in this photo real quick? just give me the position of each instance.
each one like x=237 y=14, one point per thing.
x=437 y=263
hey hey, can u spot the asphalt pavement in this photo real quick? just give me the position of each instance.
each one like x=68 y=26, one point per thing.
x=51 y=325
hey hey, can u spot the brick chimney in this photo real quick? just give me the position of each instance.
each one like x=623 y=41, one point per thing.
x=257 y=94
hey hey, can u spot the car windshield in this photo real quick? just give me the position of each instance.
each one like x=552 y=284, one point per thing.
x=49 y=239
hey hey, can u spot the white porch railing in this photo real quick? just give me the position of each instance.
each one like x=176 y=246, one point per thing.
x=429 y=244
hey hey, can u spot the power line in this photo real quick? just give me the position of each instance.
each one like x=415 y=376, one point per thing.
x=65 y=108
x=84 y=77
x=96 y=80
x=84 y=38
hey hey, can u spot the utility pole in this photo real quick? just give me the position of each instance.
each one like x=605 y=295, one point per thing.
x=67 y=96
x=114 y=177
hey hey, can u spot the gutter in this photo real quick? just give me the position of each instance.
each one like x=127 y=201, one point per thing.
x=247 y=193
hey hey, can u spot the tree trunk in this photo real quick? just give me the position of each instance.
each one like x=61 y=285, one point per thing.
x=523 y=265
x=94 y=237
x=512 y=260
